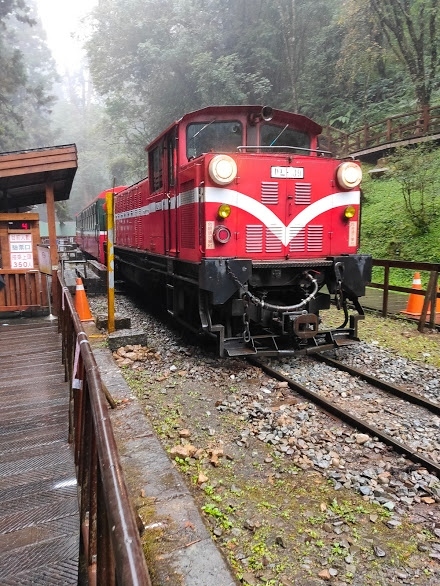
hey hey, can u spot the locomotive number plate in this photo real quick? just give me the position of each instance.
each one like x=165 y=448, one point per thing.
x=287 y=172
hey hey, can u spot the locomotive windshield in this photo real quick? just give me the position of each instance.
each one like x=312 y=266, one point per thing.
x=213 y=136
x=281 y=136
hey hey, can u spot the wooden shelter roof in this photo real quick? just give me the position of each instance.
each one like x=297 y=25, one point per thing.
x=24 y=175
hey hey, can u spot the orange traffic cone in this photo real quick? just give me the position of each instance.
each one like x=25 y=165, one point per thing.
x=81 y=303
x=415 y=302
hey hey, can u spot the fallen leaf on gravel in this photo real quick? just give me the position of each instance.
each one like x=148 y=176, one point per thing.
x=324 y=575
x=202 y=478
x=428 y=500
x=215 y=455
x=186 y=451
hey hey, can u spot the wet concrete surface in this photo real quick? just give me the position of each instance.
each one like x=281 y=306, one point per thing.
x=185 y=553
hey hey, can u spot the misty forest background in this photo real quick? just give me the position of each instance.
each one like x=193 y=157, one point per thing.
x=341 y=62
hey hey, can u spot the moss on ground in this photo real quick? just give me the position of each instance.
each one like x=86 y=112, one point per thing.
x=274 y=522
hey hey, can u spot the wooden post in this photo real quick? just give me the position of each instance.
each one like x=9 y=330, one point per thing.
x=50 y=206
x=430 y=297
x=433 y=298
x=388 y=129
x=386 y=284
x=425 y=111
x=366 y=134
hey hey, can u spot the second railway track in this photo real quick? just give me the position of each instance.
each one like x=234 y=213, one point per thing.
x=356 y=417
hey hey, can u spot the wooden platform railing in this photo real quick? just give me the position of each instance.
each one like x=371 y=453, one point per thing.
x=418 y=123
x=110 y=547
x=430 y=294
x=24 y=290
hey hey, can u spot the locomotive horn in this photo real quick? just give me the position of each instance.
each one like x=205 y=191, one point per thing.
x=267 y=113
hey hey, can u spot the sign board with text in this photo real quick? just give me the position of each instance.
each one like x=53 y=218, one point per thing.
x=21 y=252
x=19 y=236
x=44 y=259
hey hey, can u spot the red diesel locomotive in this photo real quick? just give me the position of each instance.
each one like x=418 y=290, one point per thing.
x=245 y=228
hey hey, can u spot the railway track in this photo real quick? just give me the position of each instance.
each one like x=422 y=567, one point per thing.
x=355 y=420
x=291 y=473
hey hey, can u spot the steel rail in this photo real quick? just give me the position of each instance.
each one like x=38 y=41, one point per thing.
x=349 y=418
x=380 y=384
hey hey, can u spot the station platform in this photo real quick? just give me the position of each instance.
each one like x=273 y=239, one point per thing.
x=39 y=517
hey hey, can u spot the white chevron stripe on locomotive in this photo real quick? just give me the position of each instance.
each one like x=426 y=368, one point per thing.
x=270 y=220
x=239 y=200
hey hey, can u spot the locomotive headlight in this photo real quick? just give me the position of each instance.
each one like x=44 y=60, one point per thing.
x=348 y=175
x=221 y=234
x=224 y=211
x=222 y=169
x=349 y=212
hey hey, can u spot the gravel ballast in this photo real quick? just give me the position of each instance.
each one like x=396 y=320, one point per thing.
x=291 y=495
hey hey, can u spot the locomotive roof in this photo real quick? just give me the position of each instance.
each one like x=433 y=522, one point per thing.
x=281 y=116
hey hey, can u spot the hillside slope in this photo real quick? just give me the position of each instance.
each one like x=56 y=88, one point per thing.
x=386 y=228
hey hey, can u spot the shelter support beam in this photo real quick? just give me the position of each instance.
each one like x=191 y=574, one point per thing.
x=50 y=205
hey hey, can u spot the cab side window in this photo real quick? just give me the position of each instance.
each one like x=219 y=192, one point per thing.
x=155 y=168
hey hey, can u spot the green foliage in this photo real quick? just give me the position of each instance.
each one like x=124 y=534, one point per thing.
x=412 y=33
x=173 y=57
x=417 y=172
x=27 y=76
x=183 y=463
x=212 y=511
x=387 y=229
x=346 y=511
x=62 y=212
x=80 y=120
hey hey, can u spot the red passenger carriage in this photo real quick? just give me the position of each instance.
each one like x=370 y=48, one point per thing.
x=91 y=229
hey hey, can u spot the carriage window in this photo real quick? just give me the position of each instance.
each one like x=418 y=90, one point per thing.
x=155 y=168
x=280 y=136
x=212 y=136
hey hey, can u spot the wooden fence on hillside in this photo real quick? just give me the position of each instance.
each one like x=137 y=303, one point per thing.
x=412 y=127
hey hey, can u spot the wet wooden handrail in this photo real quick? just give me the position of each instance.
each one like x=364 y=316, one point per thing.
x=430 y=295
x=110 y=546
x=402 y=128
